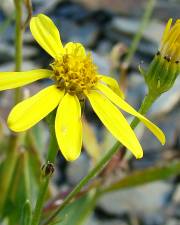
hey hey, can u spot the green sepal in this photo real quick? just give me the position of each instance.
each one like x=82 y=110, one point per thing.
x=161 y=74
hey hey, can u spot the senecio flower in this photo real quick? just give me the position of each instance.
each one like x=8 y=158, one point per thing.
x=165 y=66
x=75 y=78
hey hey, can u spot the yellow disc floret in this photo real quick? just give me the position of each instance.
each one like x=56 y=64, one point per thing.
x=75 y=73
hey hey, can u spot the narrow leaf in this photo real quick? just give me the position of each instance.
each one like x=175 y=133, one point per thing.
x=144 y=176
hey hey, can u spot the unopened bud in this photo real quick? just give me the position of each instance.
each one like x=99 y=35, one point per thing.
x=47 y=169
x=165 y=66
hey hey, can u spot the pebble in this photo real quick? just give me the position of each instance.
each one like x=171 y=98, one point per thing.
x=102 y=62
x=168 y=100
x=142 y=199
x=86 y=34
x=95 y=221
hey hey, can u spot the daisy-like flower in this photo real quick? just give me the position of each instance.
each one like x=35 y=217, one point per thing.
x=75 y=78
x=165 y=66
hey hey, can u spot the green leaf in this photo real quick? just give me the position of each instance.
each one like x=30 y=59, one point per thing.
x=18 y=191
x=7 y=168
x=144 y=176
x=26 y=214
x=78 y=211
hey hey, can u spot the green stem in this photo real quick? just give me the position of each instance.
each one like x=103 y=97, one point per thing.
x=14 y=139
x=135 y=42
x=148 y=101
x=51 y=155
x=18 y=44
x=145 y=106
x=40 y=200
x=137 y=38
x=26 y=174
x=53 y=147
x=18 y=41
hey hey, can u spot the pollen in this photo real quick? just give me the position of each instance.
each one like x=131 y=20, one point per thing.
x=75 y=73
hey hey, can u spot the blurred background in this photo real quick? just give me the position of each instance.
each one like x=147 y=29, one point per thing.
x=107 y=28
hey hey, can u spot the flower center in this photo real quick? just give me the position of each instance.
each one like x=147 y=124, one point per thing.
x=74 y=73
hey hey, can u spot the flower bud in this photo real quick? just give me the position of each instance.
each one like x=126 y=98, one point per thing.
x=47 y=169
x=165 y=66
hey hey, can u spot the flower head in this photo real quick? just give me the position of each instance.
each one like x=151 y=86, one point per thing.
x=75 y=78
x=165 y=66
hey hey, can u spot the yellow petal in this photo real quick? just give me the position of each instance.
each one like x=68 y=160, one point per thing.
x=68 y=127
x=76 y=49
x=115 y=122
x=30 y=111
x=9 y=80
x=113 y=84
x=170 y=39
x=126 y=107
x=166 y=30
x=46 y=34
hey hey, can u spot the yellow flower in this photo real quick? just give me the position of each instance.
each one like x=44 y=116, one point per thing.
x=165 y=66
x=75 y=78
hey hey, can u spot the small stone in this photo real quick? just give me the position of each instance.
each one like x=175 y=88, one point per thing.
x=172 y=221
x=176 y=197
x=85 y=33
x=136 y=90
x=142 y=199
x=104 y=47
x=8 y=7
x=95 y=221
x=119 y=6
x=72 y=11
x=103 y=63
x=167 y=101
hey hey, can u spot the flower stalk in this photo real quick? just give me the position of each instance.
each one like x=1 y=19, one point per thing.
x=145 y=106
x=47 y=171
x=18 y=43
x=40 y=200
x=134 y=45
x=145 y=20
x=12 y=154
